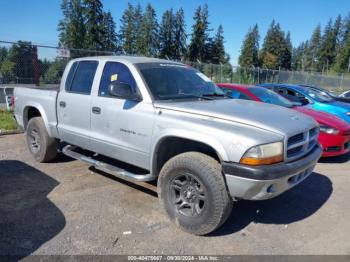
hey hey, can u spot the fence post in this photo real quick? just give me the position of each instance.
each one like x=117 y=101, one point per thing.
x=36 y=65
x=220 y=72
x=341 y=83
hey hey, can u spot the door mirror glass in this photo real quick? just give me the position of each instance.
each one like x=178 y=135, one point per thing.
x=124 y=91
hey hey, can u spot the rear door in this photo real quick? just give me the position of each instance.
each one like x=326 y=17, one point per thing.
x=74 y=104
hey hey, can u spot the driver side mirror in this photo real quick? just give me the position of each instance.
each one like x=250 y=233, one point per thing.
x=124 y=91
x=304 y=101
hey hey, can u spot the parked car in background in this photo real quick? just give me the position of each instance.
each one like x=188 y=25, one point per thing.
x=175 y=125
x=345 y=94
x=329 y=93
x=334 y=133
x=312 y=98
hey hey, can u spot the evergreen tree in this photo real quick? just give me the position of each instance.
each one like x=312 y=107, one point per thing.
x=342 y=63
x=337 y=31
x=180 y=35
x=328 y=46
x=139 y=40
x=95 y=32
x=149 y=28
x=3 y=54
x=286 y=52
x=22 y=57
x=274 y=52
x=218 y=54
x=250 y=49
x=166 y=35
x=72 y=27
x=110 y=40
x=311 y=59
x=299 y=56
x=199 y=38
x=127 y=30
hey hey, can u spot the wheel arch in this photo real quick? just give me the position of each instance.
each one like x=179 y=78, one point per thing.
x=184 y=143
x=34 y=110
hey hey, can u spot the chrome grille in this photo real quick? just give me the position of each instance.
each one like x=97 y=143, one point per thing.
x=295 y=139
x=300 y=144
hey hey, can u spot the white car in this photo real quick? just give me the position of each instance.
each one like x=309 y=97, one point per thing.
x=346 y=94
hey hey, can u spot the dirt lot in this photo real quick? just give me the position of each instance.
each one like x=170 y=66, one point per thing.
x=66 y=208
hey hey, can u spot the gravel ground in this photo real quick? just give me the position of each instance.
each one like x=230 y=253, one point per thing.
x=66 y=207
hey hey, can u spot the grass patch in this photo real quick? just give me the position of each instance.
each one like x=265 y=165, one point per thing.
x=7 y=122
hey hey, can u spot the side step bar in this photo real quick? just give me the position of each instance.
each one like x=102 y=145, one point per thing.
x=113 y=170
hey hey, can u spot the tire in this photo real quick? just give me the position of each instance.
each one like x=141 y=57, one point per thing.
x=40 y=145
x=193 y=193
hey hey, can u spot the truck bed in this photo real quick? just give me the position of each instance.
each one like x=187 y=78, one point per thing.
x=42 y=98
x=46 y=87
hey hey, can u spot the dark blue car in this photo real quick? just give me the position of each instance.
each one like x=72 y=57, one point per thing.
x=313 y=98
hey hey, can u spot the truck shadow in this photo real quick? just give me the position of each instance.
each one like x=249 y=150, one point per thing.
x=28 y=219
x=297 y=204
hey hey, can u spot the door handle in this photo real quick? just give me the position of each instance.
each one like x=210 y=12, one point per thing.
x=62 y=104
x=96 y=110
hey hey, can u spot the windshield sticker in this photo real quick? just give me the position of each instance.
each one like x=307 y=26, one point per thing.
x=114 y=77
x=203 y=76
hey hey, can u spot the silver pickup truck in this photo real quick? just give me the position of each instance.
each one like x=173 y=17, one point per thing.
x=165 y=120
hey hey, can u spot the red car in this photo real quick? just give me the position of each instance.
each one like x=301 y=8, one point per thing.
x=334 y=132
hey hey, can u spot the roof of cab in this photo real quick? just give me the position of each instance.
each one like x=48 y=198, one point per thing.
x=129 y=59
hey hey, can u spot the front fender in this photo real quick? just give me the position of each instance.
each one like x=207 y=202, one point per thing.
x=186 y=134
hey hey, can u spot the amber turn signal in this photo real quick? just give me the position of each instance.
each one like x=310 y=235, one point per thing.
x=261 y=161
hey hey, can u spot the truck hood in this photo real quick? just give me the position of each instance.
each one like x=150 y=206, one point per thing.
x=273 y=118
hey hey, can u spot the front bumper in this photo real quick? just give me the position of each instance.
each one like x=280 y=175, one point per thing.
x=264 y=182
x=334 y=145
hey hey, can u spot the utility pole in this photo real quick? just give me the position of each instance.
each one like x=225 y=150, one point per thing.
x=349 y=66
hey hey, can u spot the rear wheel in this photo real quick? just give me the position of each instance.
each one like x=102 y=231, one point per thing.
x=193 y=192
x=40 y=145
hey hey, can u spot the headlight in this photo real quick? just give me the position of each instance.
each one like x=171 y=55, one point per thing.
x=328 y=130
x=348 y=113
x=263 y=154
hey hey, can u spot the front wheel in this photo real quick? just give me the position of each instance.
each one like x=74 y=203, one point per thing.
x=40 y=145
x=193 y=192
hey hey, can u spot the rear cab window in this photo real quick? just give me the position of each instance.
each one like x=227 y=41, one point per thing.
x=81 y=76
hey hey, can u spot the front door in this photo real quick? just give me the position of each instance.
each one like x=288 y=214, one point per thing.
x=121 y=128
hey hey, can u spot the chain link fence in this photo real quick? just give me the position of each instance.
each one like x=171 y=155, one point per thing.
x=25 y=63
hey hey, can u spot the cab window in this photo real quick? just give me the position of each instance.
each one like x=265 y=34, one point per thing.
x=118 y=73
x=81 y=77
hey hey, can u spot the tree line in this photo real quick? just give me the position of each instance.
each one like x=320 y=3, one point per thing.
x=327 y=50
x=85 y=25
x=87 y=29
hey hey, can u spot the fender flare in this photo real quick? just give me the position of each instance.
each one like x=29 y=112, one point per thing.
x=190 y=135
x=41 y=111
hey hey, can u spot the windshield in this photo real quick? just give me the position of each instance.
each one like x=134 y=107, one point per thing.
x=177 y=81
x=270 y=97
x=321 y=89
x=318 y=95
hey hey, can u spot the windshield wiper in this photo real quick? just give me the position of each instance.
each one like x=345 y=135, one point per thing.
x=215 y=95
x=184 y=96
